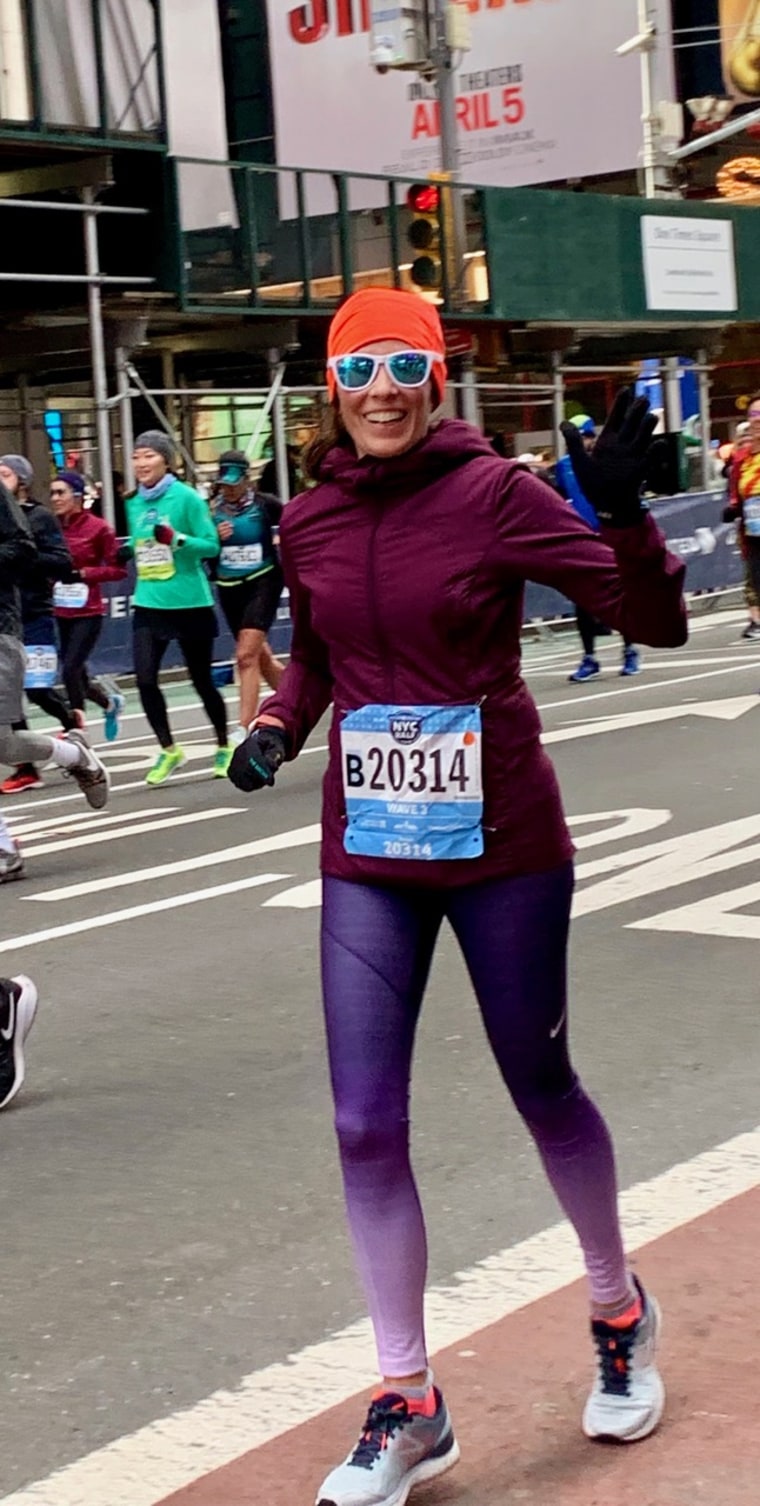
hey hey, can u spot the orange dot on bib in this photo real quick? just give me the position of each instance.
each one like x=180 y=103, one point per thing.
x=469 y=739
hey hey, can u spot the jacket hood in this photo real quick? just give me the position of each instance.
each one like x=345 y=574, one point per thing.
x=448 y=444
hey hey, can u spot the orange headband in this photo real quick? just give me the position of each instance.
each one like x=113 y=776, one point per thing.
x=387 y=314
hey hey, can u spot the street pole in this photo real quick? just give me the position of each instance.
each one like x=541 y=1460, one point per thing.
x=649 y=120
x=442 y=60
x=125 y=417
x=98 y=349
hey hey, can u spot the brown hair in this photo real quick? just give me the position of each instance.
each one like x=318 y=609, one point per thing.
x=331 y=432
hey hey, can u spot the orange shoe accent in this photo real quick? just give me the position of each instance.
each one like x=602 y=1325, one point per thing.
x=632 y=1314
x=426 y=1407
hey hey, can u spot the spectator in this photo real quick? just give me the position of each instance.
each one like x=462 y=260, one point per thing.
x=567 y=484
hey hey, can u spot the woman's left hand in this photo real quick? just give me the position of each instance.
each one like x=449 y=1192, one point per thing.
x=612 y=475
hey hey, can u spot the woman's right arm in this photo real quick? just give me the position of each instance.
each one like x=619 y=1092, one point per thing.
x=306 y=688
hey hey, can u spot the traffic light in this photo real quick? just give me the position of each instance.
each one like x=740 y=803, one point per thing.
x=424 y=234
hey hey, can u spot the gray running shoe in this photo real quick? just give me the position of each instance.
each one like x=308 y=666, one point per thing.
x=398 y=1449
x=11 y=866
x=18 y=1006
x=92 y=776
x=628 y=1396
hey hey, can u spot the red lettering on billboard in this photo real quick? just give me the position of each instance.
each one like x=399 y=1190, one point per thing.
x=311 y=22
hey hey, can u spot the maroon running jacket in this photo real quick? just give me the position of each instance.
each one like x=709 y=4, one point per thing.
x=406 y=582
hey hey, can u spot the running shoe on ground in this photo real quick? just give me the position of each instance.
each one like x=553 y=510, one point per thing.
x=222 y=761
x=587 y=670
x=631 y=664
x=752 y=630
x=11 y=865
x=168 y=760
x=18 y=1006
x=628 y=1397
x=25 y=777
x=112 y=716
x=91 y=776
x=397 y=1450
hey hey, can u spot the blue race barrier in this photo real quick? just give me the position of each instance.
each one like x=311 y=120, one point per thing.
x=691 y=524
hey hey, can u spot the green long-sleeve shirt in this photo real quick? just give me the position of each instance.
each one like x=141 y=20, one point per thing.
x=171 y=576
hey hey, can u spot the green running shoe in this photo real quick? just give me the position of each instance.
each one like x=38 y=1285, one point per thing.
x=222 y=761
x=168 y=760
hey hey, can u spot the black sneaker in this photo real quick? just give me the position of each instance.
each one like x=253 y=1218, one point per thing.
x=18 y=1006
x=11 y=865
x=91 y=775
x=752 y=630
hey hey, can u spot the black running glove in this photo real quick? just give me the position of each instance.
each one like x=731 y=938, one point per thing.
x=124 y=554
x=611 y=476
x=256 y=761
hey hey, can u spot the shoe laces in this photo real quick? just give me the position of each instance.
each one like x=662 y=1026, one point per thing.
x=615 y=1350
x=386 y=1416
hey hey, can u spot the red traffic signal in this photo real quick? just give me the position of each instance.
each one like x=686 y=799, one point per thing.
x=424 y=198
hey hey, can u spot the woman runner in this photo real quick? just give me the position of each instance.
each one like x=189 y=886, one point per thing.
x=249 y=578
x=406 y=566
x=78 y=599
x=171 y=534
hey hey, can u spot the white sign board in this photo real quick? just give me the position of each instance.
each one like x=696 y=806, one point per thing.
x=541 y=97
x=689 y=264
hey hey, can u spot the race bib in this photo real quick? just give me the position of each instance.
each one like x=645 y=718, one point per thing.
x=73 y=594
x=239 y=558
x=412 y=779
x=41 y=666
x=751 y=514
x=154 y=561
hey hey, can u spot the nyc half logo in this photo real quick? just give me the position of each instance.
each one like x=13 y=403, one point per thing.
x=405 y=729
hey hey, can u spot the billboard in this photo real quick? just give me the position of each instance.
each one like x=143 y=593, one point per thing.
x=541 y=96
x=740 y=48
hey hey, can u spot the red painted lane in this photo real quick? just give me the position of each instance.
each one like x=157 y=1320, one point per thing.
x=516 y=1392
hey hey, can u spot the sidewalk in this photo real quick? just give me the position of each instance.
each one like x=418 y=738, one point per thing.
x=517 y=1389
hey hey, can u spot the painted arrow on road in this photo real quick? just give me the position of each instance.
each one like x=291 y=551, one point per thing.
x=726 y=710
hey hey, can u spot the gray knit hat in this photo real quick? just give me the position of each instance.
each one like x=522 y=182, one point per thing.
x=163 y=444
x=20 y=467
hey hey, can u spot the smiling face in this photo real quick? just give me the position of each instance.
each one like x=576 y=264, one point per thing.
x=386 y=420
x=66 y=502
x=150 y=467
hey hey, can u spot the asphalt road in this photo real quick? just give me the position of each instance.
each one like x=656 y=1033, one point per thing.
x=172 y=1210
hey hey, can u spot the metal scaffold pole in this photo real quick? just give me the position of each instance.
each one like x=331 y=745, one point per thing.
x=98 y=348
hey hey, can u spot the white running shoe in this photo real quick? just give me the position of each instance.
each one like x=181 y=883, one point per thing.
x=18 y=1001
x=628 y=1396
x=91 y=775
x=397 y=1450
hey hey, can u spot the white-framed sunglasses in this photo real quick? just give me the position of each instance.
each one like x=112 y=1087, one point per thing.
x=406 y=368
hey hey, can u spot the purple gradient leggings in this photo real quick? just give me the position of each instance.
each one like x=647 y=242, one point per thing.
x=377 y=945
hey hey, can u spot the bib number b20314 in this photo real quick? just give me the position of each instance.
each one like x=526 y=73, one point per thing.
x=412 y=781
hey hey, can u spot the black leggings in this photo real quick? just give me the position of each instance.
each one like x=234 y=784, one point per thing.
x=196 y=641
x=78 y=637
x=588 y=627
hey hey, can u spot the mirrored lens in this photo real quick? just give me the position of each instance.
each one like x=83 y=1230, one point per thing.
x=355 y=372
x=409 y=368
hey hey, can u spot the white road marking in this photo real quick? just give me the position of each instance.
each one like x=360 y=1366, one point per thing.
x=632 y=688
x=667 y=865
x=306 y=896
x=86 y=819
x=302 y=836
x=145 y=1467
x=713 y=916
x=727 y=711
x=39 y=845
x=116 y=917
